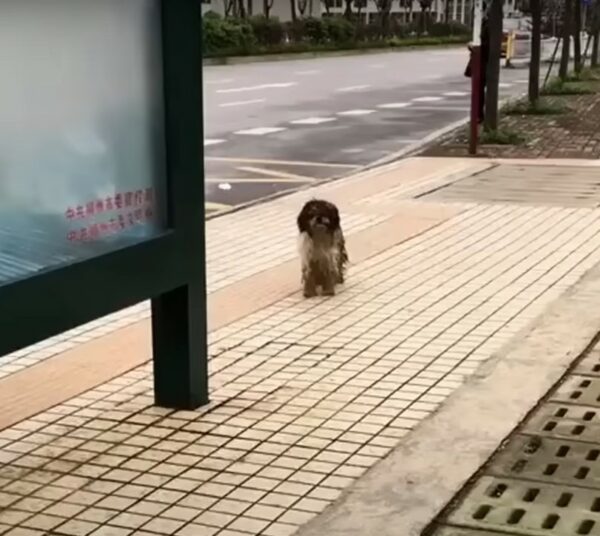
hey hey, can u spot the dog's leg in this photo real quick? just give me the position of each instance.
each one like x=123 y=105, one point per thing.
x=309 y=282
x=329 y=287
x=341 y=257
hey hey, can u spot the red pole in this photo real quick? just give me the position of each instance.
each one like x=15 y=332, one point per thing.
x=475 y=96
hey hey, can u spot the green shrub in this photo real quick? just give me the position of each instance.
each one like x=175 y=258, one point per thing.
x=315 y=30
x=339 y=29
x=441 y=29
x=268 y=32
x=221 y=34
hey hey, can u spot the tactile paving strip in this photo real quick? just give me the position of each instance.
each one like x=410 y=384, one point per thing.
x=549 y=460
x=529 y=508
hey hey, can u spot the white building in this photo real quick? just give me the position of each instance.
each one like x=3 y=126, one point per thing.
x=458 y=10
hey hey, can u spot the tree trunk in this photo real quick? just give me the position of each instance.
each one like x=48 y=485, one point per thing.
x=446 y=11
x=493 y=66
x=577 y=35
x=241 y=9
x=293 y=10
x=536 y=39
x=267 y=5
x=563 y=71
x=348 y=10
x=595 y=47
x=250 y=8
x=327 y=7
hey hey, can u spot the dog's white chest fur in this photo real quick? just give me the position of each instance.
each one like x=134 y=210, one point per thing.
x=311 y=250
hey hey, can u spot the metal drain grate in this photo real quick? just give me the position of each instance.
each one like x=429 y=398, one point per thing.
x=581 y=423
x=549 y=460
x=564 y=186
x=461 y=531
x=546 y=479
x=590 y=365
x=529 y=508
x=579 y=390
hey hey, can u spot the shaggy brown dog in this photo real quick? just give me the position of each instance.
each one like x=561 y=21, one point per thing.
x=322 y=247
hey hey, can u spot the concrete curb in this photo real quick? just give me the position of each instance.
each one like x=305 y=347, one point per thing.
x=290 y=56
x=404 y=492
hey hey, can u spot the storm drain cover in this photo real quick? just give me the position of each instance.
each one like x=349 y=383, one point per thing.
x=529 y=508
x=579 y=390
x=581 y=423
x=565 y=186
x=546 y=479
x=550 y=460
x=590 y=365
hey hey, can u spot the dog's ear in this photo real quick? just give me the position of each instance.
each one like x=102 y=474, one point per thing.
x=334 y=216
x=304 y=220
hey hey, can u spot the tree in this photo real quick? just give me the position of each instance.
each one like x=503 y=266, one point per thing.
x=302 y=5
x=595 y=33
x=293 y=10
x=267 y=6
x=229 y=6
x=328 y=4
x=446 y=11
x=536 y=43
x=563 y=70
x=348 y=9
x=424 y=15
x=577 y=35
x=495 y=16
x=383 y=11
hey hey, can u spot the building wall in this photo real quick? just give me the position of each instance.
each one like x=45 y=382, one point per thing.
x=459 y=10
x=281 y=9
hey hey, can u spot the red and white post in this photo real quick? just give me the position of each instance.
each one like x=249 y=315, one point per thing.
x=475 y=75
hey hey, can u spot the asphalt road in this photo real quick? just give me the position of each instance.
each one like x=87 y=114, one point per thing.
x=277 y=125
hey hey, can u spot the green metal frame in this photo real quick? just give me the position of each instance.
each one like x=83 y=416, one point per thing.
x=169 y=269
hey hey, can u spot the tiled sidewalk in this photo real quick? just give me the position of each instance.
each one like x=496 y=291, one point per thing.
x=306 y=394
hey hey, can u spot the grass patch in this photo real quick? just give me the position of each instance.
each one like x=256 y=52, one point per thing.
x=501 y=137
x=303 y=48
x=588 y=74
x=542 y=107
x=558 y=87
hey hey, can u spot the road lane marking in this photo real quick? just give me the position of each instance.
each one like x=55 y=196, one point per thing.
x=504 y=85
x=356 y=112
x=394 y=105
x=307 y=73
x=313 y=120
x=241 y=103
x=427 y=99
x=349 y=89
x=456 y=94
x=255 y=88
x=281 y=162
x=212 y=141
x=259 y=131
x=276 y=173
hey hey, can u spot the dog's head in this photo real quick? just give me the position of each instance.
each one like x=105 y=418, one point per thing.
x=318 y=216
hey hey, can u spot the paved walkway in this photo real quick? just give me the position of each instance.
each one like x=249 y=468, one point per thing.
x=307 y=395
